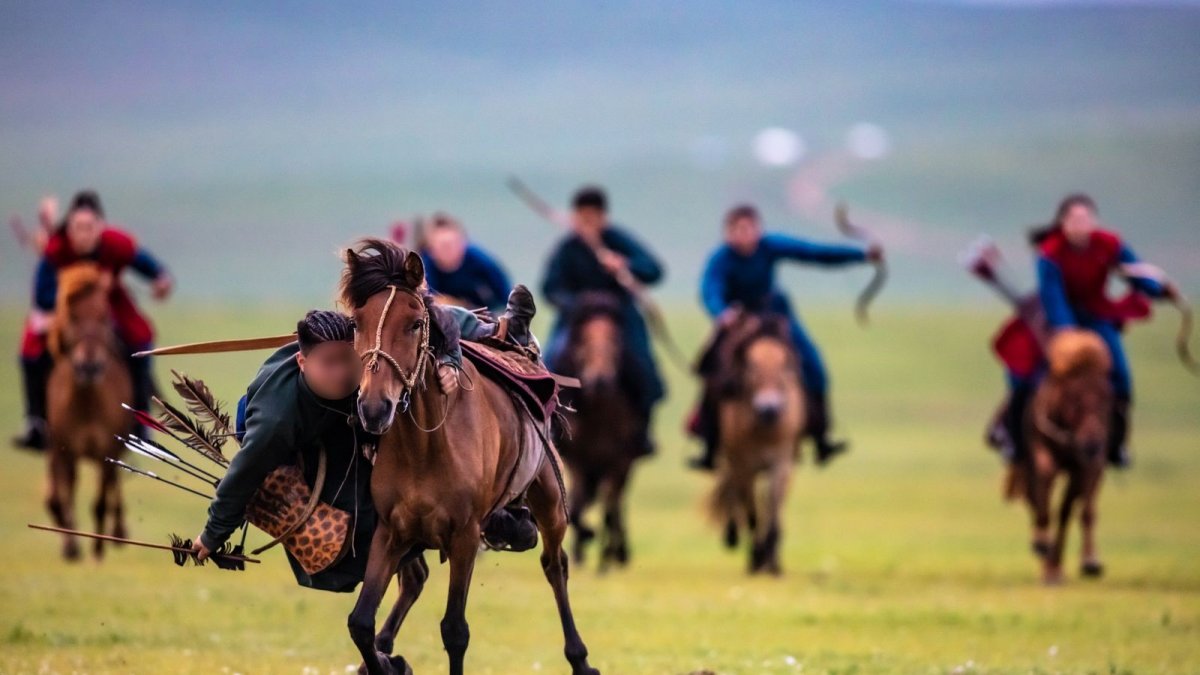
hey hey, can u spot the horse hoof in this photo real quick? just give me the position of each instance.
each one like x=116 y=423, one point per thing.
x=1041 y=549
x=731 y=535
x=400 y=665
x=1052 y=578
x=1093 y=569
x=70 y=551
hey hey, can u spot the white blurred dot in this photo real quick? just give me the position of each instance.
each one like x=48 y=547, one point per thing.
x=868 y=141
x=776 y=146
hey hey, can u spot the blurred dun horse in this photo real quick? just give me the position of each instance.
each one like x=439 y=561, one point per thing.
x=1068 y=427
x=761 y=423
x=87 y=385
x=444 y=464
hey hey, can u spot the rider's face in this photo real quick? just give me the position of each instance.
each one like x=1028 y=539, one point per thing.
x=1078 y=224
x=447 y=246
x=83 y=231
x=331 y=369
x=588 y=221
x=743 y=234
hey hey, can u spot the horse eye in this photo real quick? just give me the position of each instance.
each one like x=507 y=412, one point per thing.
x=417 y=325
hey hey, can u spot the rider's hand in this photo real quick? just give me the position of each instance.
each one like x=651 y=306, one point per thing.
x=161 y=287
x=200 y=550
x=448 y=378
x=1170 y=291
x=874 y=253
x=727 y=317
x=612 y=261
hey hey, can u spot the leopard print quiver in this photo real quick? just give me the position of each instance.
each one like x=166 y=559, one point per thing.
x=281 y=501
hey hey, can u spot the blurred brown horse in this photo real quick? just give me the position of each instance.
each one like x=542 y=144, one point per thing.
x=444 y=463
x=89 y=381
x=1068 y=428
x=603 y=437
x=761 y=421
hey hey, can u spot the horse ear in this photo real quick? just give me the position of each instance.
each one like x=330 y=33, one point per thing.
x=414 y=270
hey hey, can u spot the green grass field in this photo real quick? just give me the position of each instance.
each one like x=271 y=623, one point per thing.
x=899 y=558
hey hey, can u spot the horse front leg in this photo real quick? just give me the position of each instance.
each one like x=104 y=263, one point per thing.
x=1053 y=573
x=60 y=496
x=381 y=565
x=1041 y=481
x=413 y=575
x=546 y=502
x=769 y=536
x=1091 y=565
x=616 y=544
x=107 y=483
x=583 y=493
x=456 y=634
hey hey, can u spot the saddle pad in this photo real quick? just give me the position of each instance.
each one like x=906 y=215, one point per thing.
x=518 y=372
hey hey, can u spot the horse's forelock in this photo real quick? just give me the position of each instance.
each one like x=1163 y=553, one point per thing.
x=1077 y=352
x=372 y=265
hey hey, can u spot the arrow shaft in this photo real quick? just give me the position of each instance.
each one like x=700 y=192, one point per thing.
x=134 y=542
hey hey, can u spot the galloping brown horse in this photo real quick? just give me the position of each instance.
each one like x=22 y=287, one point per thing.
x=601 y=441
x=761 y=423
x=88 y=383
x=444 y=464
x=1068 y=428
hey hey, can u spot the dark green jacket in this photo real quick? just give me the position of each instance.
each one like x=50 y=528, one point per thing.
x=286 y=423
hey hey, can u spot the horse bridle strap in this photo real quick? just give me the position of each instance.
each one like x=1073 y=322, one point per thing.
x=372 y=355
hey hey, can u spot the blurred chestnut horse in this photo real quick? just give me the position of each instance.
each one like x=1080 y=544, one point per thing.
x=444 y=463
x=1068 y=427
x=602 y=438
x=761 y=418
x=88 y=382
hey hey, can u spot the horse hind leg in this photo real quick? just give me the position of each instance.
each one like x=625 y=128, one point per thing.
x=413 y=575
x=381 y=565
x=545 y=499
x=60 y=497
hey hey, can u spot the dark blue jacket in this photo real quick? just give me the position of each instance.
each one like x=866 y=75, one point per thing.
x=479 y=281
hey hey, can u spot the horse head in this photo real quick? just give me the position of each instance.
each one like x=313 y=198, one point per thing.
x=83 y=328
x=765 y=366
x=596 y=344
x=1075 y=410
x=383 y=285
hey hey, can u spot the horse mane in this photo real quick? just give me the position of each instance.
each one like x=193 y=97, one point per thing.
x=592 y=304
x=74 y=282
x=724 y=371
x=1077 y=352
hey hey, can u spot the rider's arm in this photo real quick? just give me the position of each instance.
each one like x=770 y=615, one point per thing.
x=45 y=285
x=712 y=285
x=1144 y=285
x=781 y=246
x=146 y=265
x=269 y=442
x=642 y=264
x=1053 y=295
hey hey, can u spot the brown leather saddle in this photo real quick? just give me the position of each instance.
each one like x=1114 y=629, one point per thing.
x=519 y=370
